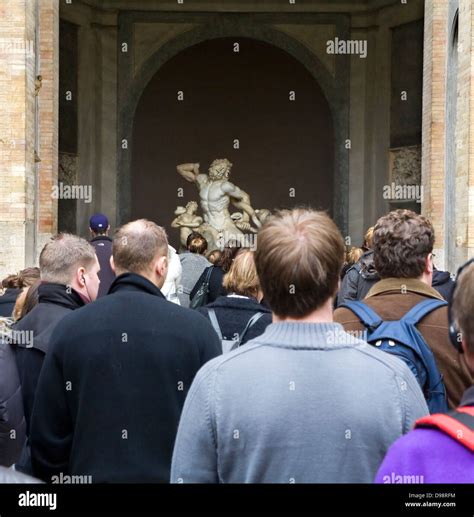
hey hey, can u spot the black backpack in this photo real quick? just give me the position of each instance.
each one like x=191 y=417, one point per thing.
x=201 y=297
x=231 y=344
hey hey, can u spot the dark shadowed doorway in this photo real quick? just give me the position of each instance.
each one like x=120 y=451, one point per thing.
x=258 y=107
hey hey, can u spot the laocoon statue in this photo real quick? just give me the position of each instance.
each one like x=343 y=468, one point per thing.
x=216 y=193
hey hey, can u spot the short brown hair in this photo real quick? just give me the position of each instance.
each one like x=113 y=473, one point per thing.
x=463 y=305
x=136 y=245
x=402 y=241
x=196 y=243
x=299 y=258
x=242 y=276
x=62 y=255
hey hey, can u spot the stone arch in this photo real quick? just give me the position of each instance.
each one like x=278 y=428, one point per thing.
x=335 y=90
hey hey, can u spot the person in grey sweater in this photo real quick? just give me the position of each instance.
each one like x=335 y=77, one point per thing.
x=193 y=263
x=304 y=402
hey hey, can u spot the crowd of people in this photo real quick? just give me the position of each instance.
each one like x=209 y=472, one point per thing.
x=300 y=361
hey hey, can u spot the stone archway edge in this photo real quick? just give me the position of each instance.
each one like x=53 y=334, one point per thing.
x=131 y=86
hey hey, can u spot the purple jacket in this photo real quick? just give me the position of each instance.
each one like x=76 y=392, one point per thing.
x=428 y=456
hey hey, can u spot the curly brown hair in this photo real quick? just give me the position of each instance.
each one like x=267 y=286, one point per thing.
x=402 y=241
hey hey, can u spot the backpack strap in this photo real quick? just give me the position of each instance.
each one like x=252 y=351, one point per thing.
x=421 y=309
x=458 y=424
x=368 y=317
x=213 y=318
x=250 y=323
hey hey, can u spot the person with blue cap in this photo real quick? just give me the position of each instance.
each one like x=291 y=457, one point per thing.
x=99 y=227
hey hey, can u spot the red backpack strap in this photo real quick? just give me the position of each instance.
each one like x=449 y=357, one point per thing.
x=458 y=424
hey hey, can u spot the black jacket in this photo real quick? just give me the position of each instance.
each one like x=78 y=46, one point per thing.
x=215 y=284
x=12 y=420
x=103 y=250
x=233 y=314
x=443 y=283
x=130 y=358
x=7 y=302
x=359 y=279
x=54 y=302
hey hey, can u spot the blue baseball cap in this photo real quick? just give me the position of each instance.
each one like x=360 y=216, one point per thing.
x=98 y=222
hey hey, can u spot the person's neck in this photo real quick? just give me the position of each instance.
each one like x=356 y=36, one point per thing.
x=156 y=280
x=426 y=278
x=323 y=314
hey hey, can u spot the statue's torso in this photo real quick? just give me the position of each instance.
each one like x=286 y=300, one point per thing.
x=214 y=203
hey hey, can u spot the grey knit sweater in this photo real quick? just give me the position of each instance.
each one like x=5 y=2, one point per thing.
x=301 y=403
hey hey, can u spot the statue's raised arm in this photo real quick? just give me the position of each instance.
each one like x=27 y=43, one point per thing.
x=189 y=171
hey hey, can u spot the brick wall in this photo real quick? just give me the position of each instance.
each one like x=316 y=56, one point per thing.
x=48 y=114
x=434 y=103
x=21 y=181
x=17 y=63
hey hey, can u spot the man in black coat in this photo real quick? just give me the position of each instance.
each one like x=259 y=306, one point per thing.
x=114 y=382
x=69 y=269
x=99 y=228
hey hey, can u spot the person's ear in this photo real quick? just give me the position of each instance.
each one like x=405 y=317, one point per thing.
x=108 y=228
x=164 y=265
x=80 y=276
x=161 y=266
x=468 y=355
x=429 y=263
x=112 y=264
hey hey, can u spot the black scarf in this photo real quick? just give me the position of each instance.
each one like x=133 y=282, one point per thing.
x=59 y=294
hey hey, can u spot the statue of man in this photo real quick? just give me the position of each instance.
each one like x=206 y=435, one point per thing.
x=216 y=193
x=187 y=221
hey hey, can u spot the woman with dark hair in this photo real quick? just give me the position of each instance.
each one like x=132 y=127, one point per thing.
x=11 y=290
x=214 y=275
x=13 y=286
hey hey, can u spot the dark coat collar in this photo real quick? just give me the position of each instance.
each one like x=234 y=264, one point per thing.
x=231 y=302
x=59 y=294
x=101 y=238
x=134 y=282
x=403 y=285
